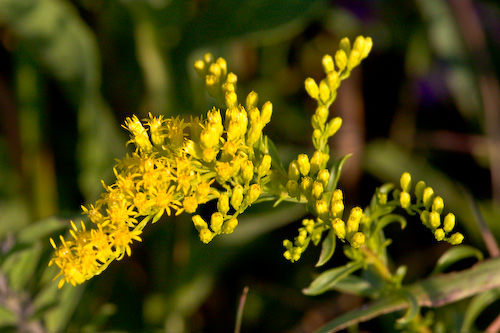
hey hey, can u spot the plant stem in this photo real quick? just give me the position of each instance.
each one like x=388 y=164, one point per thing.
x=380 y=267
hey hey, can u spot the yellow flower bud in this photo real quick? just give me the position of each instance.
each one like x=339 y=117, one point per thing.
x=318 y=162
x=199 y=223
x=231 y=78
x=439 y=234
x=382 y=198
x=354 y=59
x=317 y=189
x=287 y=255
x=208 y=58
x=303 y=164
x=216 y=222
x=359 y=44
x=337 y=195
x=323 y=177
x=237 y=197
x=231 y=99
x=322 y=114
x=206 y=235
x=293 y=188
x=215 y=70
x=339 y=227
x=427 y=197
x=253 y=193
x=224 y=171
x=357 y=240
x=449 y=222
x=324 y=92
x=264 y=166
x=327 y=62
x=223 y=204
x=229 y=226
x=333 y=126
x=221 y=62
x=456 y=238
x=252 y=99
x=247 y=171
x=437 y=204
x=333 y=83
x=190 y=204
x=405 y=200
x=419 y=189
x=306 y=185
x=337 y=208
x=405 y=182
x=353 y=220
x=367 y=47
x=265 y=115
x=321 y=208
x=424 y=217
x=345 y=45
x=311 y=88
x=308 y=224
x=341 y=59
x=293 y=170
x=199 y=67
x=434 y=219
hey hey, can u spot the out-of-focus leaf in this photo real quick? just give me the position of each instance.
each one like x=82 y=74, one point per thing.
x=335 y=171
x=61 y=42
x=455 y=254
x=57 y=318
x=40 y=230
x=476 y=306
x=7 y=318
x=353 y=284
x=413 y=307
x=224 y=19
x=20 y=266
x=432 y=292
x=327 y=248
x=328 y=279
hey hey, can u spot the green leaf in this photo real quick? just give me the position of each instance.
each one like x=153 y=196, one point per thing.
x=476 y=306
x=413 y=307
x=7 y=318
x=327 y=248
x=356 y=285
x=275 y=157
x=20 y=266
x=455 y=254
x=386 y=220
x=436 y=291
x=335 y=173
x=57 y=318
x=40 y=230
x=328 y=279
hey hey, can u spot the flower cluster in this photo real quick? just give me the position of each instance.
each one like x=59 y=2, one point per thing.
x=176 y=166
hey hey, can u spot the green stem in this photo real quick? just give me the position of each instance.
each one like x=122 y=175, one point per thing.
x=380 y=267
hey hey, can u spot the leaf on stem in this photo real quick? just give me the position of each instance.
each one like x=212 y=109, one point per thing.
x=327 y=248
x=328 y=279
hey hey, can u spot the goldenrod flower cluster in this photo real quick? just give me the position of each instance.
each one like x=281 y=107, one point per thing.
x=176 y=166
x=308 y=178
x=430 y=207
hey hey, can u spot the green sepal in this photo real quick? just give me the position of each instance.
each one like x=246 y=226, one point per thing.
x=455 y=254
x=328 y=279
x=335 y=171
x=327 y=248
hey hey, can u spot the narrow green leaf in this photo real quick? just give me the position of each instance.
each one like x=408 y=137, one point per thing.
x=40 y=229
x=57 y=318
x=335 y=173
x=455 y=254
x=476 y=306
x=327 y=248
x=20 y=267
x=356 y=285
x=413 y=307
x=436 y=291
x=275 y=157
x=386 y=220
x=328 y=279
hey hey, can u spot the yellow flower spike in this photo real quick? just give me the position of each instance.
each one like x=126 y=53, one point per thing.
x=434 y=220
x=405 y=200
x=324 y=92
x=229 y=226
x=439 y=234
x=339 y=228
x=266 y=113
x=237 y=197
x=216 y=221
x=357 y=240
x=405 y=182
x=303 y=164
x=437 y=204
x=252 y=99
x=327 y=63
x=456 y=238
x=341 y=60
x=199 y=222
x=311 y=88
x=449 y=222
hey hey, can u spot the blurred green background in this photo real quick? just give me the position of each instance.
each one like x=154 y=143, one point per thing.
x=426 y=100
